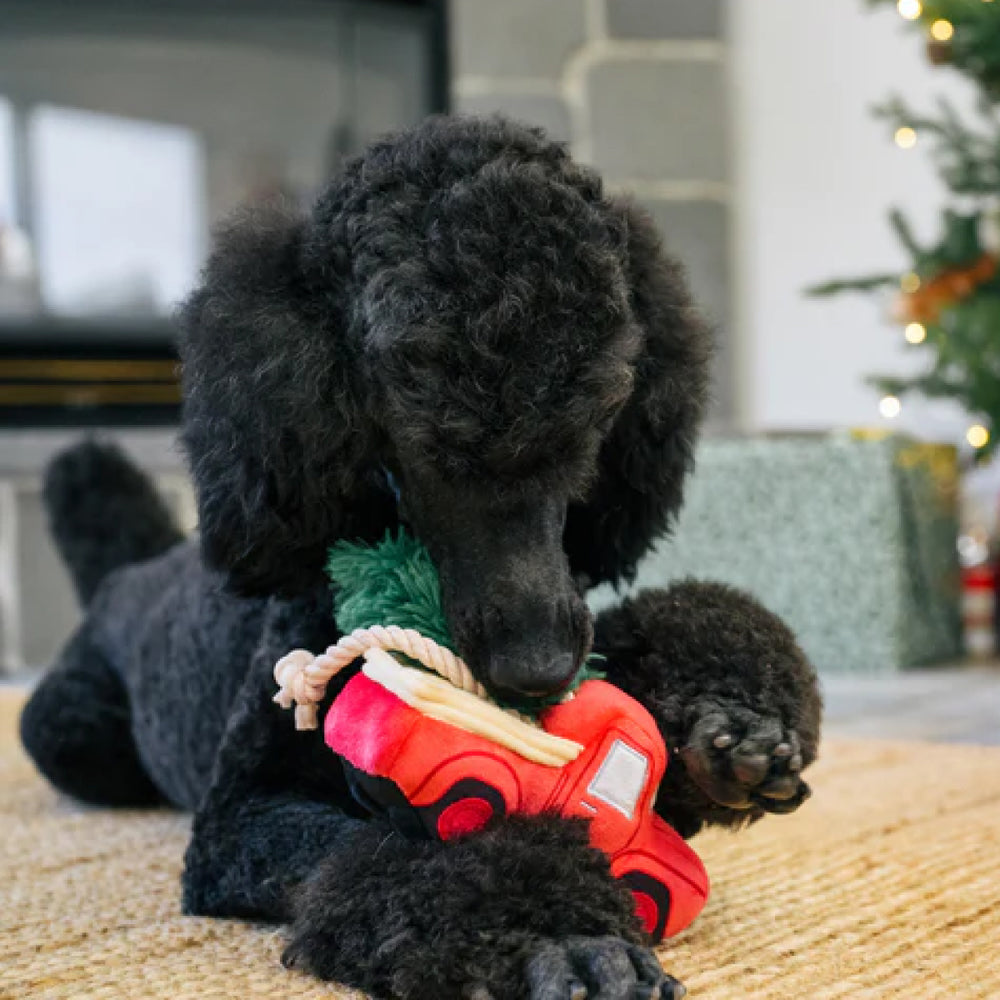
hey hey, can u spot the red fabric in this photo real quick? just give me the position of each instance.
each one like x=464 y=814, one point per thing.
x=464 y=816
x=646 y=909
x=370 y=726
x=659 y=850
x=612 y=783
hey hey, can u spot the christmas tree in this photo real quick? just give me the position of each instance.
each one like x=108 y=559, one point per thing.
x=948 y=300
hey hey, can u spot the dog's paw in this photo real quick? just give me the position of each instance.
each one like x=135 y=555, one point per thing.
x=743 y=760
x=597 y=968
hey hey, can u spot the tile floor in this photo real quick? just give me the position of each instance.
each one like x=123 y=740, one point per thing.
x=959 y=704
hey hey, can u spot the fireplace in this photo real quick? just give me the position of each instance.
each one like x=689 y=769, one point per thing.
x=128 y=129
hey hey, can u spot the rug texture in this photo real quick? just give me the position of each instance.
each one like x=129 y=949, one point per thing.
x=886 y=884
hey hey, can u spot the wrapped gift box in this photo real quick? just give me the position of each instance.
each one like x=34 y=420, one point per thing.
x=851 y=539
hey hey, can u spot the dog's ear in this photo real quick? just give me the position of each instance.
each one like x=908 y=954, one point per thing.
x=649 y=449
x=277 y=441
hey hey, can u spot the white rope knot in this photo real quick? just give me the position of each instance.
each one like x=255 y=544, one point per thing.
x=302 y=677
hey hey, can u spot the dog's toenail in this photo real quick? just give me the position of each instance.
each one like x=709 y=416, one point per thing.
x=783 y=750
x=577 y=991
x=781 y=790
x=751 y=769
x=723 y=741
x=795 y=764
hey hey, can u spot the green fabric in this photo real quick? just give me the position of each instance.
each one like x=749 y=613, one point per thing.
x=392 y=583
x=396 y=583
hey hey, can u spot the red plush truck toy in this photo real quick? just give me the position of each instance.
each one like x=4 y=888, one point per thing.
x=458 y=761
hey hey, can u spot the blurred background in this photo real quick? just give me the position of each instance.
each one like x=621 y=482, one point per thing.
x=847 y=474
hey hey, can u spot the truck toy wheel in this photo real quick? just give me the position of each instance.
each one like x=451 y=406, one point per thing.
x=652 y=902
x=465 y=808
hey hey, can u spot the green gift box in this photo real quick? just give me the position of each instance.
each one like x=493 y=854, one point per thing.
x=850 y=538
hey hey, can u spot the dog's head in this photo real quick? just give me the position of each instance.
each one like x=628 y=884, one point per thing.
x=466 y=323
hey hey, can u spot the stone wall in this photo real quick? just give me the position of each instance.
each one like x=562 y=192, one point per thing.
x=638 y=89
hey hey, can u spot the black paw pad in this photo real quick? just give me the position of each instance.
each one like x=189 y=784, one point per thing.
x=744 y=760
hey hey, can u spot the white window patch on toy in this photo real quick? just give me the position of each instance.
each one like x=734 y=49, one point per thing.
x=621 y=778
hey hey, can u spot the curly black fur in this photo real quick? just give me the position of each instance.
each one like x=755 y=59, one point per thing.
x=466 y=309
x=399 y=899
x=704 y=652
x=104 y=513
x=464 y=317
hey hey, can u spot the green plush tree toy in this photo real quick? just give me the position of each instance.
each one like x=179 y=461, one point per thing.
x=395 y=583
x=392 y=583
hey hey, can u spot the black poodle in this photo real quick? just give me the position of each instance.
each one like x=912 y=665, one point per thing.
x=468 y=336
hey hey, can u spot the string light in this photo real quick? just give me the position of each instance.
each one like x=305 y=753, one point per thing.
x=889 y=407
x=910 y=282
x=977 y=435
x=915 y=333
x=910 y=9
x=906 y=137
x=942 y=30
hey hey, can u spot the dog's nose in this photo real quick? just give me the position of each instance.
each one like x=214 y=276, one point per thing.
x=531 y=677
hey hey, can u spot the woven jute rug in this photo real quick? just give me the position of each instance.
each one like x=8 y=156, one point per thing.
x=886 y=884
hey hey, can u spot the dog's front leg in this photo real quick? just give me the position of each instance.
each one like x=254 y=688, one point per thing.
x=524 y=909
x=278 y=802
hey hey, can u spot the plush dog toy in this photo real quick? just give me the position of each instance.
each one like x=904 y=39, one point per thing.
x=434 y=753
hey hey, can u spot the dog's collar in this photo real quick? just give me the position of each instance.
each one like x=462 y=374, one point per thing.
x=390 y=480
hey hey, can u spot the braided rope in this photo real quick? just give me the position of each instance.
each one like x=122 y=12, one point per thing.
x=303 y=677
